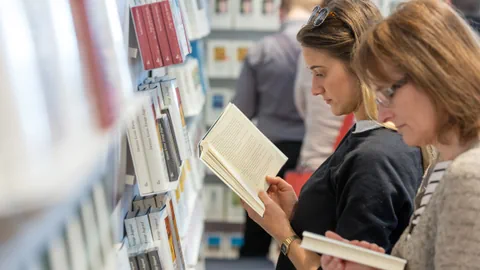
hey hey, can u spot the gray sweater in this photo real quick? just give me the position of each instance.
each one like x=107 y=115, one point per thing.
x=448 y=233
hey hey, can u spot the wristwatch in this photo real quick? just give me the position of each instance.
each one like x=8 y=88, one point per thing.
x=285 y=248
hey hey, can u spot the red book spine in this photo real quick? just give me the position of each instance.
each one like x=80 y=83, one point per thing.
x=152 y=36
x=171 y=32
x=102 y=93
x=161 y=34
x=142 y=38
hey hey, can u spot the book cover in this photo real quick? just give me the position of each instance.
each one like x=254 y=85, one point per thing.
x=214 y=201
x=154 y=259
x=323 y=245
x=141 y=30
x=103 y=218
x=169 y=150
x=131 y=230
x=161 y=33
x=133 y=262
x=143 y=263
x=153 y=147
x=171 y=31
x=138 y=156
x=217 y=101
x=221 y=13
x=91 y=230
x=152 y=36
x=57 y=254
x=158 y=222
x=143 y=227
x=241 y=49
x=220 y=58
x=176 y=235
x=234 y=209
x=76 y=245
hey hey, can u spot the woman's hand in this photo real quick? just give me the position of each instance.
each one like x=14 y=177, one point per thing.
x=283 y=194
x=332 y=263
x=274 y=221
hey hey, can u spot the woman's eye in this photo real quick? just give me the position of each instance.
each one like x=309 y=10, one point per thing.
x=319 y=75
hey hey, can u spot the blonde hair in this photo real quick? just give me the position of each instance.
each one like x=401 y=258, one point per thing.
x=340 y=35
x=429 y=42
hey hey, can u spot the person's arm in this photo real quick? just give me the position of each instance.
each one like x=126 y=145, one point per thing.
x=303 y=80
x=246 y=92
x=458 y=227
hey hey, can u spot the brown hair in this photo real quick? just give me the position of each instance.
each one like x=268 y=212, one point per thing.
x=340 y=34
x=431 y=43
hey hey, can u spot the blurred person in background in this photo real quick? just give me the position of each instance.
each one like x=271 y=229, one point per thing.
x=265 y=91
x=471 y=10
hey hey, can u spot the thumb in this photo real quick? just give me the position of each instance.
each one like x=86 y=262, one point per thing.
x=274 y=180
x=264 y=197
x=334 y=236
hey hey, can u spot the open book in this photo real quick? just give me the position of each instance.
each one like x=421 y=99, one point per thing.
x=241 y=156
x=327 y=246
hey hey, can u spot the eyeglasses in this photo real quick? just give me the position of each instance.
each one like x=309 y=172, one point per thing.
x=319 y=15
x=385 y=96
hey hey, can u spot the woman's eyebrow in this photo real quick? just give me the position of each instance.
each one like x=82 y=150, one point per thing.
x=314 y=67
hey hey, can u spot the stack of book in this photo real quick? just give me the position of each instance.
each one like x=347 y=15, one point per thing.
x=226 y=57
x=255 y=15
x=158 y=137
x=153 y=235
x=161 y=33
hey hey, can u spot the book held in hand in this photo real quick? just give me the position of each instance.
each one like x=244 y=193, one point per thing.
x=323 y=245
x=241 y=156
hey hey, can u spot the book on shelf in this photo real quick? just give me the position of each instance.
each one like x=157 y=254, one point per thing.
x=241 y=156
x=221 y=13
x=196 y=12
x=172 y=211
x=241 y=49
x=214 y=201
x=220 y=57
x=161 y=34
x=323 y=245
x=217 y=101
x=162 y=238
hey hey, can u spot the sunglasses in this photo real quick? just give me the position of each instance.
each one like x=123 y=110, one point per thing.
x=319 y=15
x=385 y=96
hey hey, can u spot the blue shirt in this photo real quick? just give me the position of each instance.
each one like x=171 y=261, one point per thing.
x=265 y=88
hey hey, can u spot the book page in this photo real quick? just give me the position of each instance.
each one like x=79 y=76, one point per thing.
x=245 y=148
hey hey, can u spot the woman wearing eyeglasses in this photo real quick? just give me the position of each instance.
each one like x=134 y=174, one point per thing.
x=365 y=189
x=432 y=58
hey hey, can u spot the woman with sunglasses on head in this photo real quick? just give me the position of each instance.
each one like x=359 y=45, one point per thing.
x=365 y=189
x=432 y=58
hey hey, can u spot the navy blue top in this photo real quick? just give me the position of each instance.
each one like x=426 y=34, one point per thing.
x=364 y=191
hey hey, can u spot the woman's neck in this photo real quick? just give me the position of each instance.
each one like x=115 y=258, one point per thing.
x=454 y=147
x=361 y=114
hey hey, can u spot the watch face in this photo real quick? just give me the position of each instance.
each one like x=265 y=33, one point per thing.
x=283 y=249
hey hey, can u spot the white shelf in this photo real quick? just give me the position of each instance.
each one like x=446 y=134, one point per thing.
x=66 y=172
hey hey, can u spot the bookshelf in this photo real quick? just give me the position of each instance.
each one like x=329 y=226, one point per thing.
x=74 y=199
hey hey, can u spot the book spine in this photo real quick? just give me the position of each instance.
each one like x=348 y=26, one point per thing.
x=133 y=262
x=176 y=234
x=153 y=149
x=142 y=38
x=132 y=233
x=168 y=90
x=169 y=159
x=154 y=259
x=170 y=136
x=184 y=124
x=139 y=158
x=177 y=57
x=161 y=33
x=171 y=241
x=143 y=263
x=144 y=230
x=152 y=36
x=171 y=131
